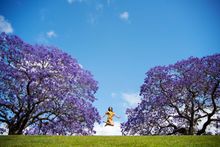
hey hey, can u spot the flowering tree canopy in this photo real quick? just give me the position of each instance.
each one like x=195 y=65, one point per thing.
x=183 y=98
x=44 y=91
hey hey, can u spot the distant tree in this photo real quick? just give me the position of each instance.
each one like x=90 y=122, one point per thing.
x=44 y=91
x=183 y=98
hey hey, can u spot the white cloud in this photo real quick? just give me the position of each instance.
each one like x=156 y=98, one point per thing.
x=99 y=7
x=92 y=19
x=124 y=16
x=72 y=1
x=132 y=99
x=51 y=34
x=108 y=130
x=94 y=16
x=5 y=26
x=41 y=38
x=113 y=94
x=108 y=2
x=43 y=14
x=80 y=65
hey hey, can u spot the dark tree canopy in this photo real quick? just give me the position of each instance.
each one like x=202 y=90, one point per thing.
x=44 y=91
x=183 y=98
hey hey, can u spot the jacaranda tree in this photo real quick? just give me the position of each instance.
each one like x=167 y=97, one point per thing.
x=183 y=98
x=44 y=91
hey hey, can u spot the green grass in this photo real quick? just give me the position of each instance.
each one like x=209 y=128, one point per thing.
x=107 y=141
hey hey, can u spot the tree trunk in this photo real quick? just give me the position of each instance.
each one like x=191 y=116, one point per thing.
x=191 y=129
x=192 y=113
x=14 y=131
x=191 y=125
x=17 y=127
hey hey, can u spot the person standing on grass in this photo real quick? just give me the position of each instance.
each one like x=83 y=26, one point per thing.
x=110 y=114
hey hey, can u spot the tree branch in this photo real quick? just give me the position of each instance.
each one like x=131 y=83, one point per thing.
x=201 y=131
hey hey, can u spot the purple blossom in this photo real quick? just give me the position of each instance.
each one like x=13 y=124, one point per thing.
x=176 y=98
x=44 y=90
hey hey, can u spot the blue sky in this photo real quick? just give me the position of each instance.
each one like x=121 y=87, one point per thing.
x=118 y=40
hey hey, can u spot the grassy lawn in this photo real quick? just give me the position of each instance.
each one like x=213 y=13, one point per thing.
x=105 y=141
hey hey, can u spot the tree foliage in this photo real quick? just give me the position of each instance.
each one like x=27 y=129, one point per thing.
x=183 y=98
x=44 y=91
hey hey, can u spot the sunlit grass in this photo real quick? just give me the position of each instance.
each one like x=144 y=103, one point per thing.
x=107 y=141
